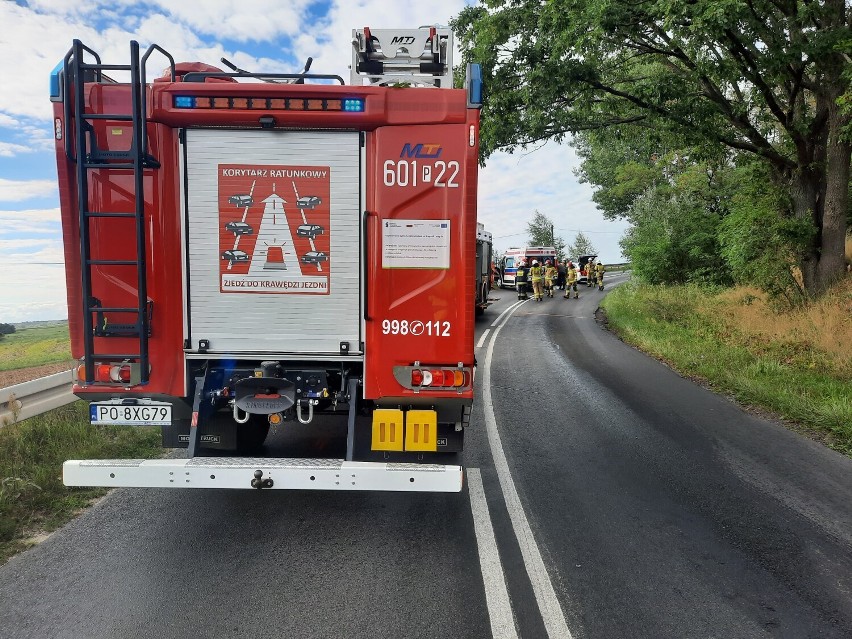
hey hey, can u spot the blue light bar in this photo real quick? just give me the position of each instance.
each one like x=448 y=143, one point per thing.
x=353 y=104
x=184 y=102
x=473 y=82
x=55 y=85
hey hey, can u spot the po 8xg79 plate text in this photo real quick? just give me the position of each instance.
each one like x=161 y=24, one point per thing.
x=144 y=415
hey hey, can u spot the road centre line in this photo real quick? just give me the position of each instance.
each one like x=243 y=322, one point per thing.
x=545 y=595
x=482 y=339
x=508 y=310
x=493 y=576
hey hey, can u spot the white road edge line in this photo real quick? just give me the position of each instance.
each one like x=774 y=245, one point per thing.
x=496 y=593
x=482 y=339
x=545 y=595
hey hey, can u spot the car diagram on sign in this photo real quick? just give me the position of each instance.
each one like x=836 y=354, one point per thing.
x=239 y=228
x=233 y=255
x=309 y=230
x=314 y=257
x=273 y=247
x=308 y=202
x=241 y=200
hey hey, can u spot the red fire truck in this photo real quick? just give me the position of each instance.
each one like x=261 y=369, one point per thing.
x=250 y=250
x=484 y=277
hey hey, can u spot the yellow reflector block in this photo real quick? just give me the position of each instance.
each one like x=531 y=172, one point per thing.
x=421 y=430
x=387 y=429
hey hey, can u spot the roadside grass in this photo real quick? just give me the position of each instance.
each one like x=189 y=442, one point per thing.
x=796 y=364
x=35 y=346
x=33 y=499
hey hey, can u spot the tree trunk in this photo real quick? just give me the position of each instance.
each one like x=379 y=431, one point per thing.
x=804 y=192
x=829 y=164
x=832 y=250
x=820 y=192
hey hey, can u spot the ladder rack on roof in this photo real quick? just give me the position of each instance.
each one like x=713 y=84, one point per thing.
x=419 y=57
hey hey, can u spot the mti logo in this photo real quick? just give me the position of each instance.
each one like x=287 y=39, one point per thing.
x=402 y=40
x=421 y=151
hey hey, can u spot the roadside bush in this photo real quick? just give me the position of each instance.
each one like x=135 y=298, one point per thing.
x=760 y=241
x=673 y=240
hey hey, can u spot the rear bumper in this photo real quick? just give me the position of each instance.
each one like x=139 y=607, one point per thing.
x=238 y=472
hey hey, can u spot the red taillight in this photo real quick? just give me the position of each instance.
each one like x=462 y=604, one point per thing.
x=102 y=373
x=437 y=378
x=106 y=373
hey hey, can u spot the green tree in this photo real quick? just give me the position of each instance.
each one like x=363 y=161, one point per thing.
x=6 y=329
x=540 y=230
x=756 y=242
x=674 y=240
x=622 y=163
x=757 y=76
x=581 y=246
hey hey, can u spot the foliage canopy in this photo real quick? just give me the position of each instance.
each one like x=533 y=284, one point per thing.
x=762 y=77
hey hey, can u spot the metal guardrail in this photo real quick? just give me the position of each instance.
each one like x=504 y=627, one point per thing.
x=32 y=398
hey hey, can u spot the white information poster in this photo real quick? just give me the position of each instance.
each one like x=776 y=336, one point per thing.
x=416 y=244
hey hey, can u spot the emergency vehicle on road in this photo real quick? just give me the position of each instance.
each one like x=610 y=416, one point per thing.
x=507 y=267
x=484 y=255
x=349 y=300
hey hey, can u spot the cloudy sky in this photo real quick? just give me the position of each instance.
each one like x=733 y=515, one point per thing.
x=267 y=35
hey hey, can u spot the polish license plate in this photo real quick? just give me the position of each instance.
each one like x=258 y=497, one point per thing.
x=131 y=414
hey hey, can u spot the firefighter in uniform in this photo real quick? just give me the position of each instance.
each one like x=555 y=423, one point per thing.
x=537 y=277
x=599 y=273
x=521 y=278
x=590 y=272
x=550 y=275
x=572 y=274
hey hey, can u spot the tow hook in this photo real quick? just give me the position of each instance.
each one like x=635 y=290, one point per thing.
x=259 y=483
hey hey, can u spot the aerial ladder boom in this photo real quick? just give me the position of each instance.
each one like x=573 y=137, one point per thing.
x=421 y=57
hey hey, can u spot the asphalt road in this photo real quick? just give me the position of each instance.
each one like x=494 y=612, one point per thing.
x=607 y=497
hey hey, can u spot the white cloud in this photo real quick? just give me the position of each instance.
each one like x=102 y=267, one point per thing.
x=241 y=20
x=44 y=30
x=18 y=190
x=29 y=221
x=9 y=149
x=36 y=42
x=30 y=293
x=13 y=248
x=33 y=283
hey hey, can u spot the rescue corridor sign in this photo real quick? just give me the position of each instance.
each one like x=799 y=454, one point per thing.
x=274 y=229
